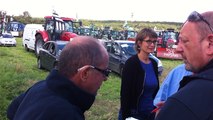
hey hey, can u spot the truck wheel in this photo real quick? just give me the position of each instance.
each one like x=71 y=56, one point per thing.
x=38 y=45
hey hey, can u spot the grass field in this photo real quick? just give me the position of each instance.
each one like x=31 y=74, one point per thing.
x=18 y=71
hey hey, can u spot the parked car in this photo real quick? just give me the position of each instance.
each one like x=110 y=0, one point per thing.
x=49 y=54
x=119 y=51
x=6 y=39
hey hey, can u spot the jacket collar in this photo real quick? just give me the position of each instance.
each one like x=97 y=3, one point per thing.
x=208 y=66
x=68 y=90
x=204 y=74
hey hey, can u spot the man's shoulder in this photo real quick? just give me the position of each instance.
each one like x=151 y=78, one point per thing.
x=196 y=91
x=197 y=85
x=196 y=97
x=180 y=69
x=60 y=104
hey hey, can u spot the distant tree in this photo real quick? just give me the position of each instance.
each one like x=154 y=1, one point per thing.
x=116 y=25
x=26 y=14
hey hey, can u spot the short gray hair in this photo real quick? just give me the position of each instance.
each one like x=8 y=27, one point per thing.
x=79 y=52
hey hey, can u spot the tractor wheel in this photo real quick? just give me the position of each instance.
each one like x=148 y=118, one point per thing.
x=39 y=63
x=38 y=45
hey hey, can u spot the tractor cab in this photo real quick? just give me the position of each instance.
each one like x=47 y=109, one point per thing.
x=71 y=25
x=130 y=35
x=167 y=38
x=167 y=43
x=54 y=26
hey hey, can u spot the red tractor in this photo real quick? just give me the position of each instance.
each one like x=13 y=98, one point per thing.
x=167 y=43
x=55 y=28
x=167 y=38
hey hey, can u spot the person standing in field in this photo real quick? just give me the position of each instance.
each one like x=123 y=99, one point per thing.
x=140 y=81
x=170 y=85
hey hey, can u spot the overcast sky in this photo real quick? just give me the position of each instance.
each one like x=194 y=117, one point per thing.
x=140 y=10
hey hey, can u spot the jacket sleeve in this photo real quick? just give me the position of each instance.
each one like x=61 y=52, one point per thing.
x=12 y=108
x=161 y=95
x=126 y=88
x=175 y=110
x=163 y=92
x=171 y=84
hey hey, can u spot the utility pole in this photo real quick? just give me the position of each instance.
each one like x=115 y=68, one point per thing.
x=132 y=15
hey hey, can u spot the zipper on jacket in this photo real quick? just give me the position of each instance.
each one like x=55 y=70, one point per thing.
x=138 y=101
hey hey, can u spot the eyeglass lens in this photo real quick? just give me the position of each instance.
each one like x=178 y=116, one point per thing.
x=150 y=41
x=105 y=72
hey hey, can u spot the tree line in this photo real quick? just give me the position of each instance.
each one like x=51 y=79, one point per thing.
x=114 y=24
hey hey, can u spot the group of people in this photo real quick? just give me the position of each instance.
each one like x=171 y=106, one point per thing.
x=186 y=93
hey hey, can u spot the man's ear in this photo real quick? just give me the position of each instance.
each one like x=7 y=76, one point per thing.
x=210 y=45
x=84 y=73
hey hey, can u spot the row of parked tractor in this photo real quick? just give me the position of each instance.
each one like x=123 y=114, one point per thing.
x=64 y=28
x=107 y=33
x=58 y=28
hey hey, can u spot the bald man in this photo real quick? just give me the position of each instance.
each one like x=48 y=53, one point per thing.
x=69 y=91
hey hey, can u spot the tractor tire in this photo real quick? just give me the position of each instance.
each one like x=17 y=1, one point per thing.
x=38 y=45
x=39 y=63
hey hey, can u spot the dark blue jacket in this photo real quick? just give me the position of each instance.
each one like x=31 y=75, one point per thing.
x=55 y=98
x=194 y=100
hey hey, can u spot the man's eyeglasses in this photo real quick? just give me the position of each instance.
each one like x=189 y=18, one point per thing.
x=149 y=42
x=195 y=16
x=105 y=72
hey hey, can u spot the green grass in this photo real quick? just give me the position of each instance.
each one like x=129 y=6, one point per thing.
x=18 y=71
